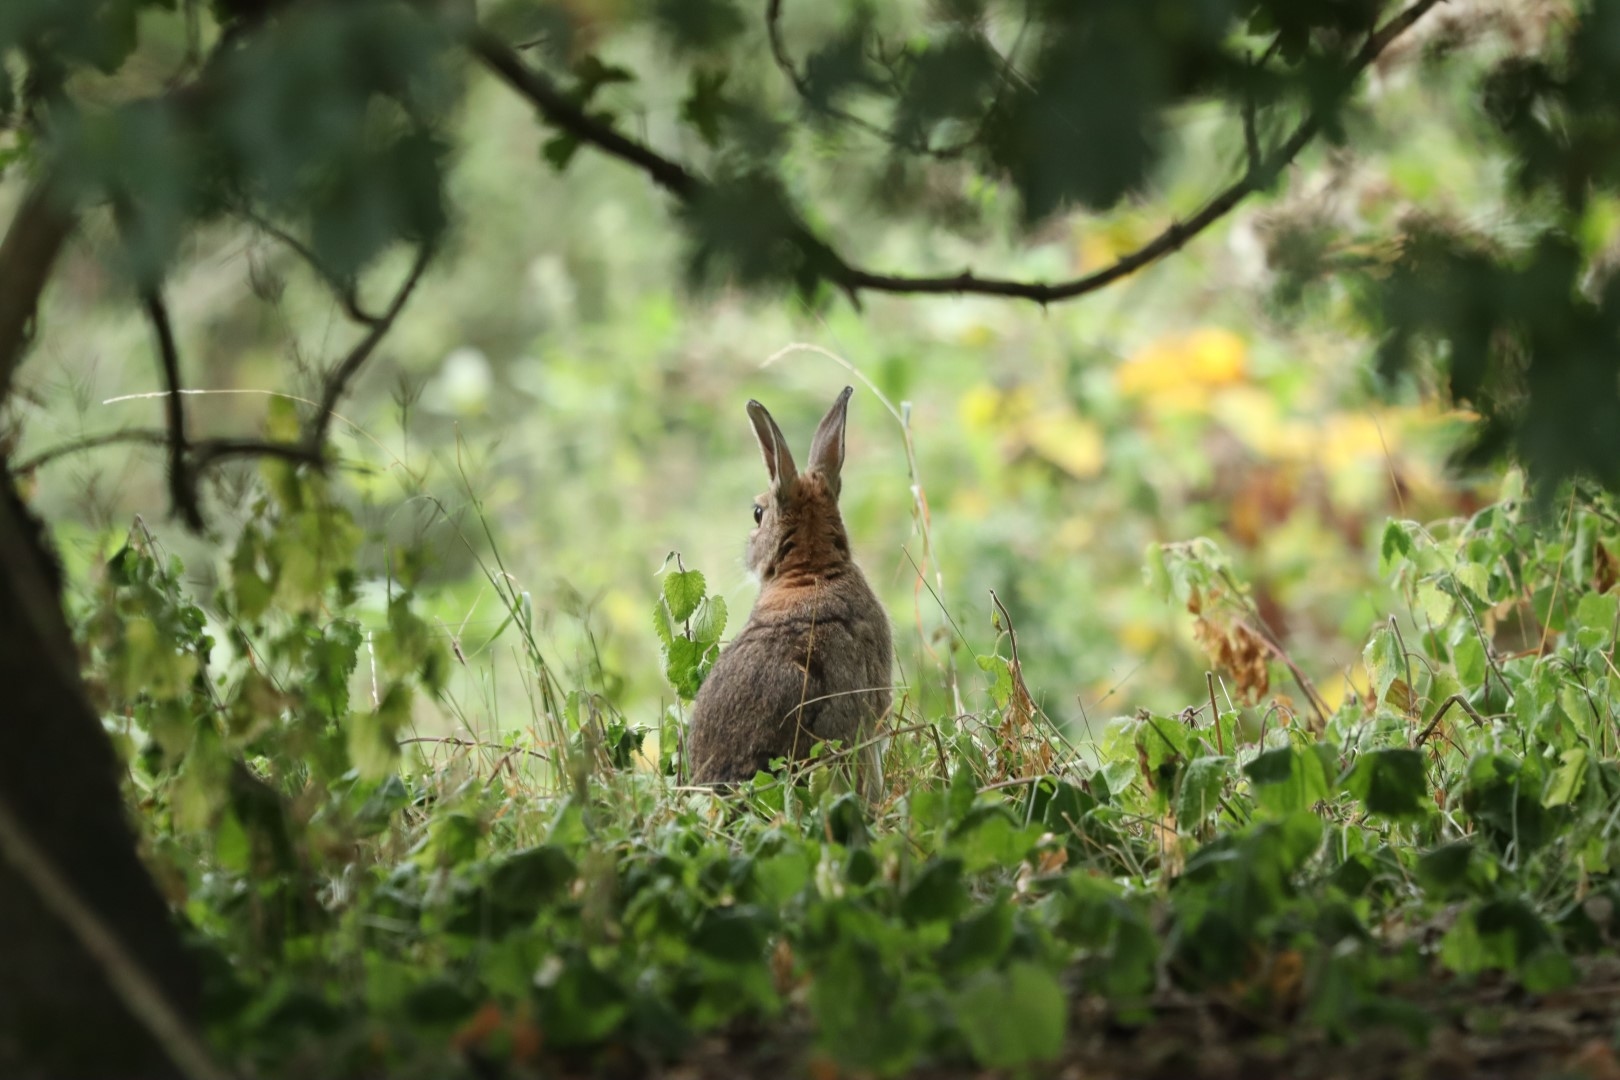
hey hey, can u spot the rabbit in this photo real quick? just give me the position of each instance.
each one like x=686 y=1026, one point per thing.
x=814 y=660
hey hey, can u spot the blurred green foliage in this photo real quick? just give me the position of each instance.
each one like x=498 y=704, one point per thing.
x=404 y=742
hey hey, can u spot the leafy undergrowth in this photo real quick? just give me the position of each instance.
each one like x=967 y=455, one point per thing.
x=1423 y=874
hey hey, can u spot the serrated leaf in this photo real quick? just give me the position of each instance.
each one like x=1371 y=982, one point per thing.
x=1384 y=661
x=1435 y=603
x=1475 y=578
x=683 y=591
x=709 y=621
x=1396 y=545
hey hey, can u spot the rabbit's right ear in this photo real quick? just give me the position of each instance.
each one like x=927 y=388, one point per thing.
x=774 y=448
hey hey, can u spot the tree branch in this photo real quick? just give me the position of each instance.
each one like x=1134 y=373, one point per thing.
x=347 y=292
x=182 y=486
x=205 y=453
x=338 y=379
x=138 y=991
x=37 y=233
x=556 y=108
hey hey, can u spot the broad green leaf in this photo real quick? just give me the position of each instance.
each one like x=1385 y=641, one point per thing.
x=1013 y=1019
x=1395 y=545
x=1435 y=603
x=1567 y=781
x=683 y=591
x=1469 y=657
x=1384 y=661
x=1290 y=778
x=1475 y=578
x=1201 y=786
x=1390 y=783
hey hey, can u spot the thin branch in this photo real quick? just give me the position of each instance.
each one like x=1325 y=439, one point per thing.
x=338 y=379
x=182 y=485
x=675 y=178
x=134 y=986
x=347 y=293
x=204 y=452
x=801 y=86
x=1439 y=714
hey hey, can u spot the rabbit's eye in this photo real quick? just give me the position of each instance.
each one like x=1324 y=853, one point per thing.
x=759 y=513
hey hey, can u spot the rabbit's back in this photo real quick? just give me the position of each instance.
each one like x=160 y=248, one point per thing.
x=813 y=663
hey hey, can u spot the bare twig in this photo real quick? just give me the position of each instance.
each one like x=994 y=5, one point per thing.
x=135 y=988
x=182 y=486
x=338 y=379
x=204 y=452
x=562 y=112
x=1439 y=714
x=344 y=289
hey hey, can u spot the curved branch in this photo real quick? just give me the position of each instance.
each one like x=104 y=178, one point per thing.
x=556 y=108
x=347 y=293
x=38 y=230
x=337 y=381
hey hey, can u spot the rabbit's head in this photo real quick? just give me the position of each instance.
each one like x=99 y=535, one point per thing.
x=796 y=520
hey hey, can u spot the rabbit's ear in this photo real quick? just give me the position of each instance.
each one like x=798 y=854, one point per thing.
x=827 y=448
x=774 y=448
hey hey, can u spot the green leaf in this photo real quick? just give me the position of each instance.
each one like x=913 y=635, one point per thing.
x=1201 y=786
x=698 y=25
x=1290 y=778
x=1475 y=578
x=528 y=879
x=1469 y=658
x=1390 y=783
x=683 y=591
x=709 y=621
x=1013 y=1019
x=373 y=736
x=1384 y=661
x=1436 y=604
x=1567 y=781
x=981 y=939
x=733 y=935
x=1396 y=544
x=1595 y=614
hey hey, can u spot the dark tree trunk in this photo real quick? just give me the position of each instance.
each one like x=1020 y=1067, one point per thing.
x=59 y=1016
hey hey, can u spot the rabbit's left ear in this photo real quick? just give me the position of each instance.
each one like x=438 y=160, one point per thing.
x=827 y=448
x=773 y=448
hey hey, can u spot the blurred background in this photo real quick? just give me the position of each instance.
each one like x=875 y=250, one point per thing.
x=558 y=405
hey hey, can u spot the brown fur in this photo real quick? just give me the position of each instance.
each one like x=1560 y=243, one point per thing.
x=814 y=660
